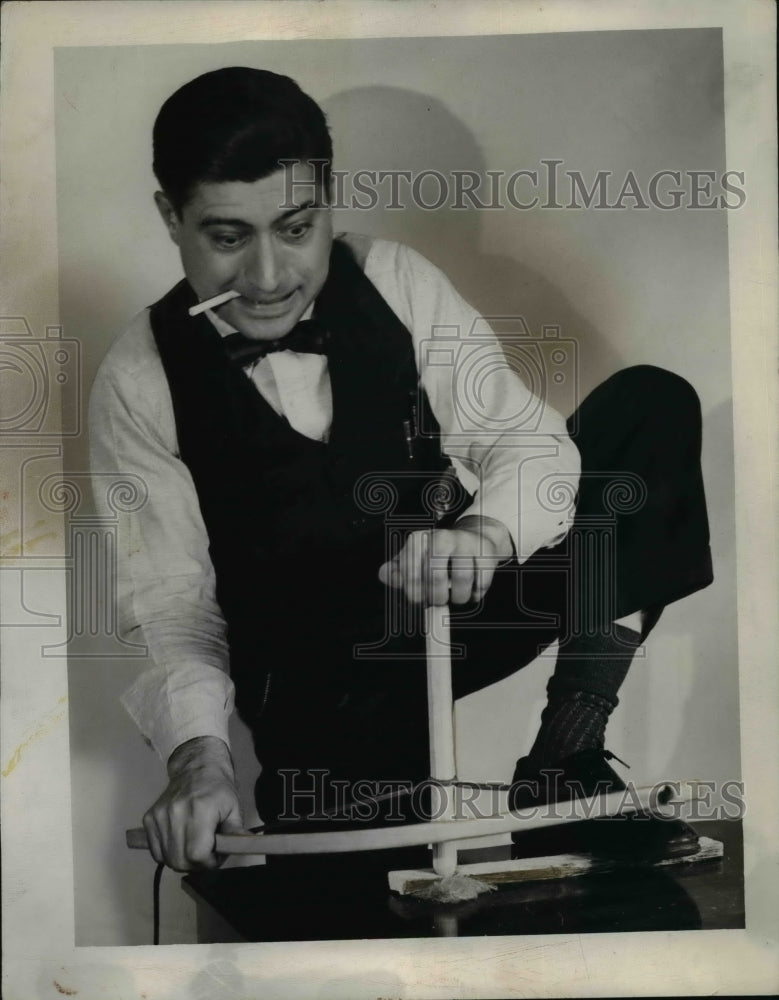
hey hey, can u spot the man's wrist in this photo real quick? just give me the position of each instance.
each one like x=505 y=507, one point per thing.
x=202 y=751
x=493 y=531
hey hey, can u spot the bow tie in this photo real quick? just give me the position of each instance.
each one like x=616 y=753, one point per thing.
x=307 y=337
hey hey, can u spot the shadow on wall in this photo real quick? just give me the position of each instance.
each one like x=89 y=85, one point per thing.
x=390 y=129
x=710 y=646
x=686 y=686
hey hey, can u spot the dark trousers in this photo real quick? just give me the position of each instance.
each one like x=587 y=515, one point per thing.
x=639 y=541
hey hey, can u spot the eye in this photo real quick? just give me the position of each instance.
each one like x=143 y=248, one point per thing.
x=227 y=241
x=297 y=231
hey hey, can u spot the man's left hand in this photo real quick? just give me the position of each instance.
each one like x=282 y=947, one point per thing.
x=446 y=565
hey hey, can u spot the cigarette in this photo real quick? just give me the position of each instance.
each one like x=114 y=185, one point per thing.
x=217 y=300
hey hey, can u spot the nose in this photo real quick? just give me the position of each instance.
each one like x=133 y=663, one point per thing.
x=263 y=267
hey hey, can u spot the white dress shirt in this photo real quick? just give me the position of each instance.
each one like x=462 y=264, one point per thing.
x=507 y=446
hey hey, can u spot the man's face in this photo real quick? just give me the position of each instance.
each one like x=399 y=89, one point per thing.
x=265 y=239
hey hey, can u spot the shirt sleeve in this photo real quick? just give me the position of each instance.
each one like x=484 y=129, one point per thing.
x=510 y=448
x=166 y=583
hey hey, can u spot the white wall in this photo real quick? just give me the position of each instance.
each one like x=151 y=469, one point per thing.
x=630 y=286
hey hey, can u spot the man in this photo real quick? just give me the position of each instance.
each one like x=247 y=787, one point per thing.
x=297 y=440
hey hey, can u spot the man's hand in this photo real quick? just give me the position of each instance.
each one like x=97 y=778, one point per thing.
x=201 y=797
x=455 y=564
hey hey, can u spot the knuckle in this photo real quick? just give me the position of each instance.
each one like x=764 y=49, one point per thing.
x=154 y=817
x=445 y=541
x=204 y=811
x=178 y=807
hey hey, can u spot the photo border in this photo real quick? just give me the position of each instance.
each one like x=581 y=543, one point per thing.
x=38 y=924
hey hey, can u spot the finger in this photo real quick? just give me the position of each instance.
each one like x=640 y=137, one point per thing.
x=438 y=580
x=484 y=574
x=442 y=565
x=172 y=823
x=200 y=839
x=232 y=823
x=165 y=831
x=153 y=838
x=463 y=575
x=413 y=566
x=391 y=575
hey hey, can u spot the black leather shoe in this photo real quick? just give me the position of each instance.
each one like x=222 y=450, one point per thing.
x=637 y=837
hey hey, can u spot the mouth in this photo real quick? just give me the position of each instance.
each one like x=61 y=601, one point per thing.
x=274 y=306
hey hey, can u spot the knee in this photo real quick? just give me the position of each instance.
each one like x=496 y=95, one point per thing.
x=659 y=391
x=643 y=399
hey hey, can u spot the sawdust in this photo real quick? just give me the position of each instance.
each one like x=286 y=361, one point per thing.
x=453 y=889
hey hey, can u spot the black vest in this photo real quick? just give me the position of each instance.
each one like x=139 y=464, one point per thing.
x=298 y=528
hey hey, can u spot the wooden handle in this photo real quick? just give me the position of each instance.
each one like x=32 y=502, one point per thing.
x=137 y=838
x=657 y=800
x=440 y=708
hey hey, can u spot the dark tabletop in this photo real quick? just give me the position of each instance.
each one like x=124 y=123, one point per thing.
x=341 y=897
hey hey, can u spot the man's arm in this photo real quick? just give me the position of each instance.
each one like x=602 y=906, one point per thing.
x=508 y=446
x=200 y=799
x=182 y=702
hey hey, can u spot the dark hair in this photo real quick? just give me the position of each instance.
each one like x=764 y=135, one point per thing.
x=236 y=124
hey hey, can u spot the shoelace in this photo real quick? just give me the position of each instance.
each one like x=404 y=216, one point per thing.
x=608 y=755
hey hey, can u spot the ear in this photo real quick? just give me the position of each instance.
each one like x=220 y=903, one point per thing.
x=168 y=215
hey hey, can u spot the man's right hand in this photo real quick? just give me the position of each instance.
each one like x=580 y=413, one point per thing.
x=200 y=799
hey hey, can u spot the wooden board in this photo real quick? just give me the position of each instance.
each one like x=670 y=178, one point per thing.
x=542 y=869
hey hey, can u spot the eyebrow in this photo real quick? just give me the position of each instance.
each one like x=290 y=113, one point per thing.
x=221 y=220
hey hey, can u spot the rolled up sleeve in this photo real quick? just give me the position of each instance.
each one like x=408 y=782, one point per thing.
x=166 y=582
x=510 y=448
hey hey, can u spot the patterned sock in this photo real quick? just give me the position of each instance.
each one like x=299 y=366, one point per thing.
x=582 y=693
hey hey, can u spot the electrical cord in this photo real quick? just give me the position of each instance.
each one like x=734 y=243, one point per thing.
x=268 y=828
x=156 y=900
